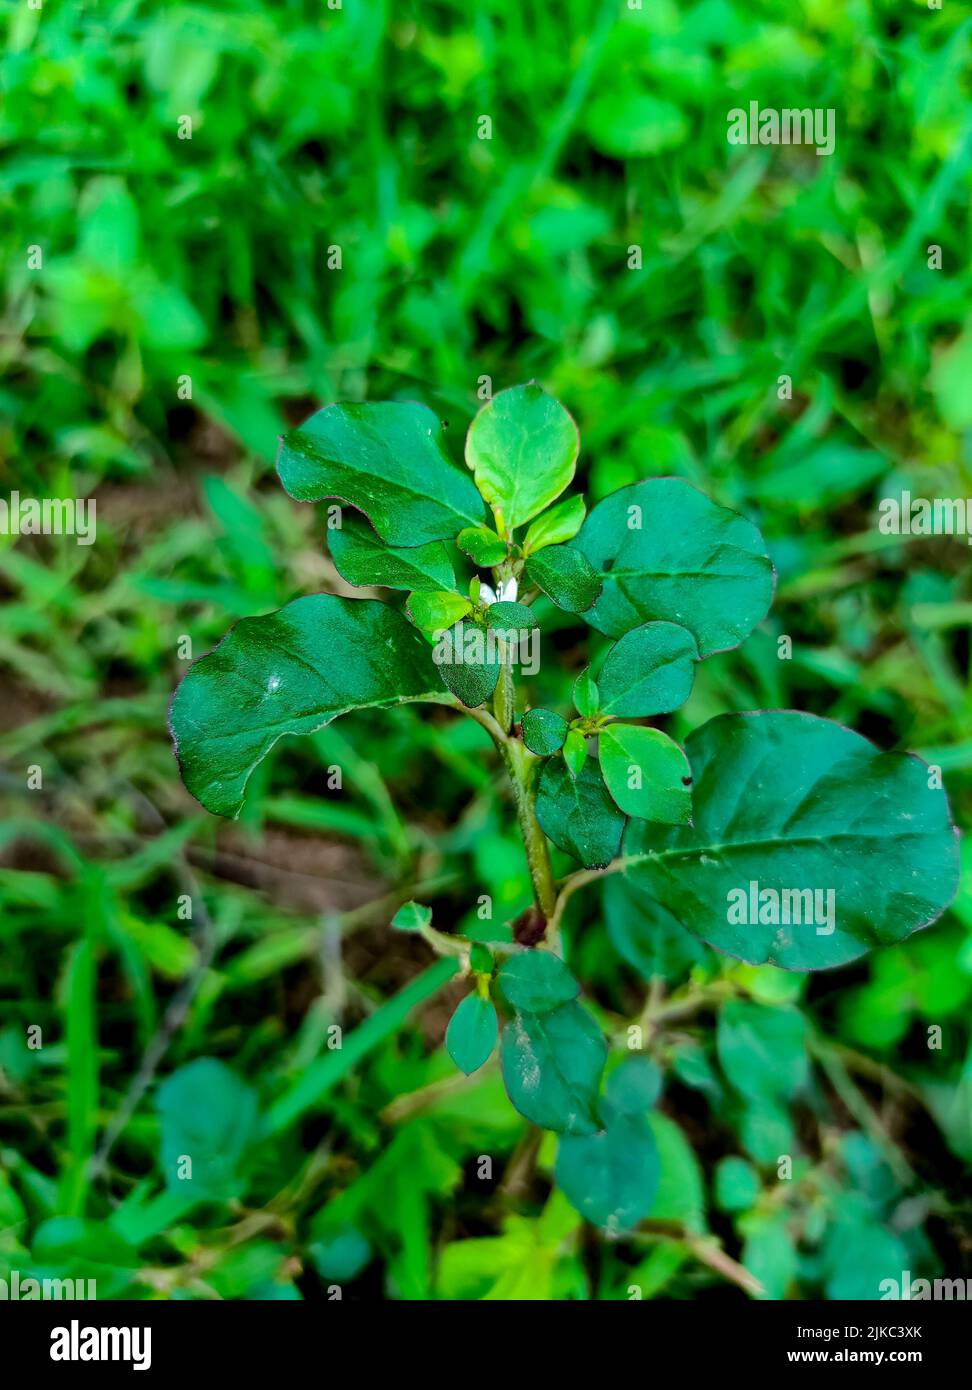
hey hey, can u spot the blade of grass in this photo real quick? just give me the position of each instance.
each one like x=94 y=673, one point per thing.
x=324 y=1074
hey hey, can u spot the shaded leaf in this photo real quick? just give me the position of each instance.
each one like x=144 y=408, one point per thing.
x=633 y=1087
x=386 y=459
x=537 y=981
x=578 y=814
x=289 y=672
x=565 y=576
x=472 y=1032
x=611 y=1178
x=664 y=551
x=209 y=1116
x=544 y=731
x=737 y=1184
x=650 y=670
x=468 y=663
x=515 y=618
x=552 y=1065
x=361 y=557
x=796 y=805
x=762 y=1050
x=647 y=935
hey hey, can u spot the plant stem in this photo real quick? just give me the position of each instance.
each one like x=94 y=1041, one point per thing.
x=518 y=762
x=503 y=698
x=516 y=758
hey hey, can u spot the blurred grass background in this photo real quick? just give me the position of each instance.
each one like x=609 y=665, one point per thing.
x=188 y=305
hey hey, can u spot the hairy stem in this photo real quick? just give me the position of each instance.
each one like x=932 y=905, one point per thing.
x=503 y=697
x=517 y=760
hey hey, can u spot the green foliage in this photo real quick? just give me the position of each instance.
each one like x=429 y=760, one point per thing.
x=610 y=1177
x=388 y=460
x=662 y=550
x=607 y=242
x=552 y=1065
x=824 y=809
x=736 y=1184
x=818 y=800
x=536 y=982
x=649 y=671
x=290 y=672
x=577 y=813
x=587 y=697
x=762 y=1051
x=544 y=731
x=209 y=1118
x=472 y=1032
x=557 y=524
x=522 y=448
x=362 y=559
x=647 y=773
x=483 y=546
x=565 y=576
x=412 y=917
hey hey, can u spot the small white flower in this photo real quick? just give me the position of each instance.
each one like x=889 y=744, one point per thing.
x=486 y=594
x=507 y=591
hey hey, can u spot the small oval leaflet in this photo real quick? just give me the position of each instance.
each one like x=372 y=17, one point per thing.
x=544 y=731
x=578 y=814
x=552 y=1065
x=536 y=981
x=472 y=1032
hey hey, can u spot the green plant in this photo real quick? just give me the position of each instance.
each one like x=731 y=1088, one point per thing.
x=777 y=837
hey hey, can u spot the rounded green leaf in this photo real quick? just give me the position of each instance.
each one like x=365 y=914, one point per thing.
x=437 y=610
x=468 y=662
x=472 y=1032
x=681 y=1193
x=634 y=1086
x=664 y=551
x=388 y=460
x=577 y=813
x=737 y=1184
x=587 y=697
x=412 y=916
x=341 y=1255
x=610 y=1178
x=762 y=1050
x=854 y=848
x=649 y=671
x=544 y=731
x=289 y=672
x=483 y=546
x=627 y=123
x=565 y=576
x=362 y=558
x=536 y=981
x=558 y=524
x=552 y=1065
x=647 y=773
x=209 y=1114
x=522 y=448
x=508 y=616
